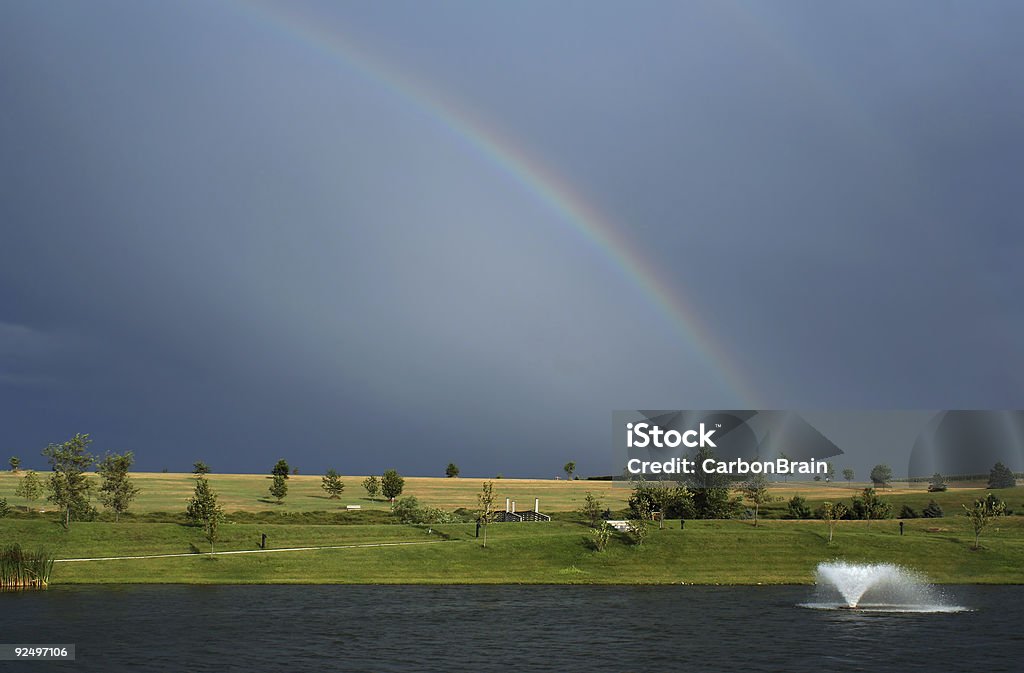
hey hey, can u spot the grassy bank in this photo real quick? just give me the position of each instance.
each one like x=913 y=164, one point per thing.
x=705 y=552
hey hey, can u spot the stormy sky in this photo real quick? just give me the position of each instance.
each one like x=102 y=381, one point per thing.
x=239 y=232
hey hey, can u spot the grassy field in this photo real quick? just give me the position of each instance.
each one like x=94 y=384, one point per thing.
x=712 y=552
x=164 y=492
x=705 y=552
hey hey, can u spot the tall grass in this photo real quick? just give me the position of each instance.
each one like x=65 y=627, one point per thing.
x=20 y=569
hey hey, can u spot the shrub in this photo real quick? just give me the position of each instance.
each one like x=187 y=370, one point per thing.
x=798 y=509
x=932 y=510
x=907 y=512
x=5 y=509
x=602 y=536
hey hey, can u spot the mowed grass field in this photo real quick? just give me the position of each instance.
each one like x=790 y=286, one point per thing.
x=704 y=552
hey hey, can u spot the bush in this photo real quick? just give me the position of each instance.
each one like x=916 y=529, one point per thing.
x=601 y=536
x=868 y=505
x=5 y=509
x=907 y=512
x=932 y=510
x=798 y=509
x=409 y=510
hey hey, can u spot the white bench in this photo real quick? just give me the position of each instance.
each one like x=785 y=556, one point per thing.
x=353 y=506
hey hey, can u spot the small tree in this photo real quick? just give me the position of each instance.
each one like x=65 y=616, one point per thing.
x=602 y=536
x=848 y=474
x=30 y=487
x=830 y=471
x=485 y=505
x=391 y=485
x=592 y=508
x=451 y=471
x=69 y=487
x=15 y=463
x=281 y=468
x=881 y=475
x=981 y=514
x=1001 y=477
x=868 y=505
x=798 y=509
x=5 y=509
x=332 y=484
x=937 y=483
x=639 y=523
x=116 y=489
x=199 y=468
x=932 y=510
x=203 y=510
x=372 y=486
x=907 y=512
x=569 y=468
x=755 y=490
x=279 y=487
x=832 y=512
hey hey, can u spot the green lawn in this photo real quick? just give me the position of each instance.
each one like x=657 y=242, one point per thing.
x=706 y=552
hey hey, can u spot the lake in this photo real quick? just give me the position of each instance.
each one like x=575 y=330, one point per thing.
x=504 y=628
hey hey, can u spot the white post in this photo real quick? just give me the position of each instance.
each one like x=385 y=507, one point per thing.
x=513 y=506
x=536 y=505
x=506 y=504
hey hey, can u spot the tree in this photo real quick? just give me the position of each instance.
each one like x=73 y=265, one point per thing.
x=907 y=512
x=452 y=470
x=881 y=475
x=199 y=468
x=868 y=505
x=755 y=490
x=710 y=492
x=638 y=525
x=982 y=512
x=592 y=508
x=832 y=512
x=798 y=509
x=485 y=507
x=848 y=474
x=1001 y=477
x=279 y=487
x=281 y=468
x=30 y=487
x=830 y=471
x=937 y=483
x=569 y=468
x=69 y=487
x=391 y=485
x=332 y=484
x=15 y=463
x=5 y=509
x=116 y=489
x=602 y=536
x=372 y=486
x=932 y=510
x=203 y=510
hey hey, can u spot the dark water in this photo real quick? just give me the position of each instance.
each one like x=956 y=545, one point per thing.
x=460 y=628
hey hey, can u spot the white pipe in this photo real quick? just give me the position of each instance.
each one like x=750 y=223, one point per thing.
x=536 y=505
x=506 y=504
x=513 y=506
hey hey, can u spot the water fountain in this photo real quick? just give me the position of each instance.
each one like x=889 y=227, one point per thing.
x=881 y=587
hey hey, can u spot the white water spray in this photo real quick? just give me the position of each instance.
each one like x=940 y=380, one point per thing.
x=876 y=586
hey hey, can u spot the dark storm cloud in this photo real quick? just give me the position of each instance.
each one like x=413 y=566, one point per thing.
x=219 y=242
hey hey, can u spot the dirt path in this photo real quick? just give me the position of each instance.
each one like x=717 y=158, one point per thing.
x=248 y=551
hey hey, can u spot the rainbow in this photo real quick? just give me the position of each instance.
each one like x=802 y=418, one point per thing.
x=530 y=174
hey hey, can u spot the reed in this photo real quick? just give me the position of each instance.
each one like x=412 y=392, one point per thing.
x=21 y=569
